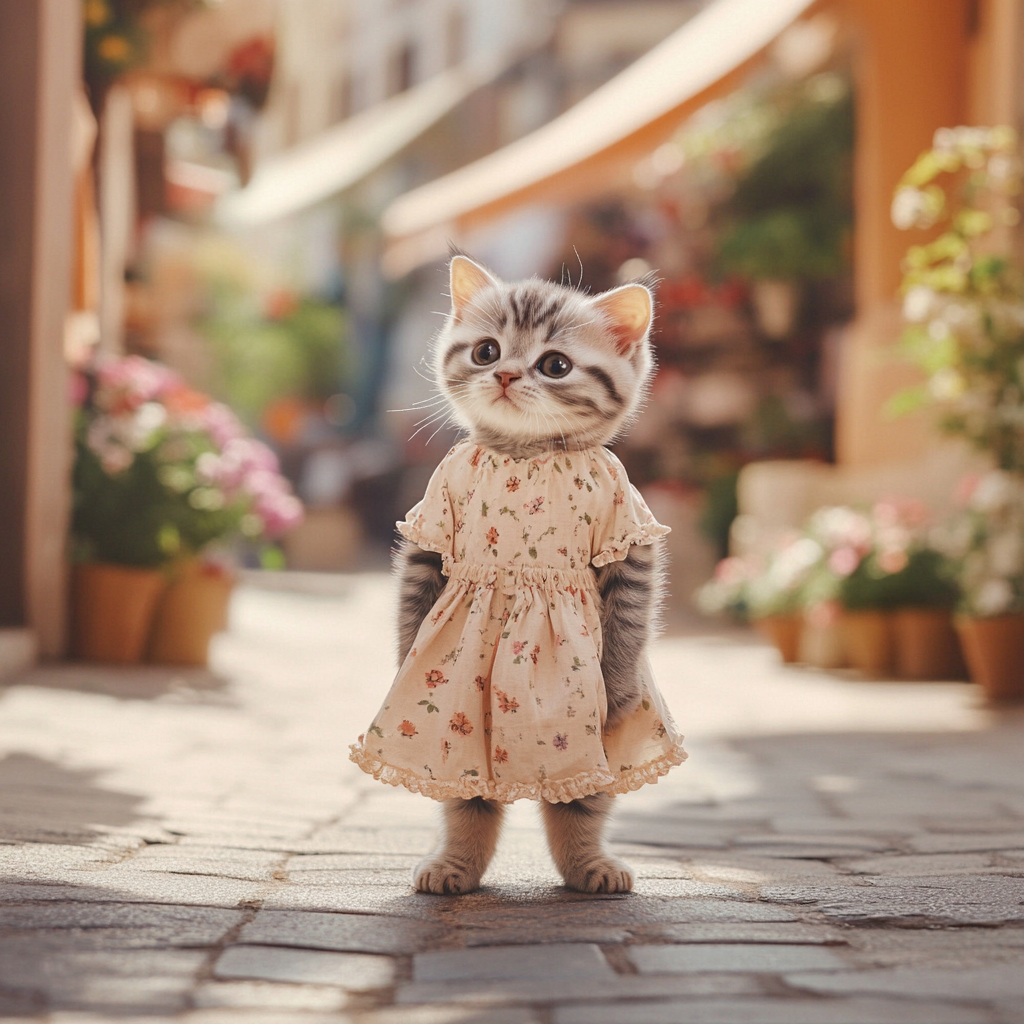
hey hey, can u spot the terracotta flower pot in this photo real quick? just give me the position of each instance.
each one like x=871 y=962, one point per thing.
x=868 y=641
x=112 y=610
x=784 y=632
x=194 y=607
x=994 y=648
x=926 y=645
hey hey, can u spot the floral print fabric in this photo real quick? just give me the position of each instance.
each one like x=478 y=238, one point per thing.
x=501 y=695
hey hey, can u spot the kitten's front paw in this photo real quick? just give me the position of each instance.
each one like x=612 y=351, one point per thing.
x=603 y=874
x=444 y=877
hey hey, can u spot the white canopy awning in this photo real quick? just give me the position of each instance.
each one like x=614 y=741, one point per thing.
x=636 y=109
x=339 y=157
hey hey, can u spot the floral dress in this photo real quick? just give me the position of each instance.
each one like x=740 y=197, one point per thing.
x=501 y=695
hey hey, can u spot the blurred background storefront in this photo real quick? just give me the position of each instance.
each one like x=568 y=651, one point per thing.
x=260 y=194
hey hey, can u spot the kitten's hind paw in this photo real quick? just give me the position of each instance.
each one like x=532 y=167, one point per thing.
x=603 y=874
x=444 y=877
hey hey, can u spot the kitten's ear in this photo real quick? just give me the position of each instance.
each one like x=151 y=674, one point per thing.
x=467 y=280
x=628 y=311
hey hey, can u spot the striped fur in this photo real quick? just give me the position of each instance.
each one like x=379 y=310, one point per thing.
x=590 y=406
x=420 y=584
x=630 y=603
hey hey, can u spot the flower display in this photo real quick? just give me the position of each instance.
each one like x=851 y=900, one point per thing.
x=885 y=556
x=963 y=303
x=759 y=586
x=986 y=543
x=162 y=471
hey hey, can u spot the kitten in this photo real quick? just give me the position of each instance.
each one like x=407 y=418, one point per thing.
x=574 y=369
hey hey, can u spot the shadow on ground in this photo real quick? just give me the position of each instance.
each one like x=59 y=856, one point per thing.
x=131 y=682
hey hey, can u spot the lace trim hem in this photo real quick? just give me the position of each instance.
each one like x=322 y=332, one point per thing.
x=560 y=792
x=617 y=551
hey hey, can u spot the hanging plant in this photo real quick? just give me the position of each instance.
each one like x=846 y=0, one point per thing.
x=116 y=39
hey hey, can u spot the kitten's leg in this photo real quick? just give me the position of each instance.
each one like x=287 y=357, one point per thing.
x=420 y=584
x=630 y=598
x=576 y=840
x=469 y=838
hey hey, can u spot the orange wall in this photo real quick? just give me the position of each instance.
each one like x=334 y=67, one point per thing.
x=911 y=67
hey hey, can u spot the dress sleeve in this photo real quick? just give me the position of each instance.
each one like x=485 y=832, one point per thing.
x=430 y=522
x=624 y=518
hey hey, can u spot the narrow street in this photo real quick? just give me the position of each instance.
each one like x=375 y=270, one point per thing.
x=196 y=846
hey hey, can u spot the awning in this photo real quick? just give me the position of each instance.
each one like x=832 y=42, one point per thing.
x=338 y=158
x=626 y=117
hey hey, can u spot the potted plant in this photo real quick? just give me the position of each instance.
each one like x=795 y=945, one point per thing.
x=161 y=474
x=895 y=588
x=987 y=543
x=789 y=216
x=768 y=592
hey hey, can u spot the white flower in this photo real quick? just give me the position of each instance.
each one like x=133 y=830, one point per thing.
x=994 y=492
x=1006 y=553
x=918 y=302
x=994 y=597
x=908 y=206
x=947 y=384
x=139 y=430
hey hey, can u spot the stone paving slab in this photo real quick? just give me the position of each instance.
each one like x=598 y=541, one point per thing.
x=555 y=991
x=772 y=1011
x=354 y=933
x=996 y=982
x=264 y=995
x=195 y=848
x=564 y=962
x=788 y=934
x=356 y=972
x=738 y=958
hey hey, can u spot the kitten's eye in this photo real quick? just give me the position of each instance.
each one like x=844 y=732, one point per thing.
x=554 y=364
x=486 y=352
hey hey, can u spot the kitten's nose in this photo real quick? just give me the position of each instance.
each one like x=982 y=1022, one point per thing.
x=506 y=378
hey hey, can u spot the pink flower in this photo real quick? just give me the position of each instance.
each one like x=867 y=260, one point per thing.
x=844 y=561
x=125 y=384
x=965 y=489
x=893 y=560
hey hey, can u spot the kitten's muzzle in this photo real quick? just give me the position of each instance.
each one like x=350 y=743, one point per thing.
x=505 y=377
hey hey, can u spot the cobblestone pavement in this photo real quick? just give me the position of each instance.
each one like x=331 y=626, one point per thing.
x=195 y=846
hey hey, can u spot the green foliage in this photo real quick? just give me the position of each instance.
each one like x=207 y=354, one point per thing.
x=791 y=211
x=258 y=359
x=964 y=306
x=927 y=581
x=720 y=509
x=145 y=515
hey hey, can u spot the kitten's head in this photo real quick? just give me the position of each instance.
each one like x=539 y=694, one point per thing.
x=533 y=366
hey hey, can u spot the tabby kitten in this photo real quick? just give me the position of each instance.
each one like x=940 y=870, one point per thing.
x=529 y=368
